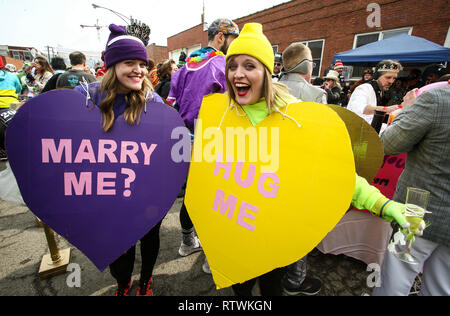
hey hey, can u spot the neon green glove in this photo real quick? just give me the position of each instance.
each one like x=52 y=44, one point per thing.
x=370 y=198
x=393 y=208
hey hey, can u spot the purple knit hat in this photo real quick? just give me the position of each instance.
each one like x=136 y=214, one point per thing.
x=122 y=46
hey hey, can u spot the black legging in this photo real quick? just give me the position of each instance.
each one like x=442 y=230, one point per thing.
x=185 y=220
x=122 y=268
x=269 y=284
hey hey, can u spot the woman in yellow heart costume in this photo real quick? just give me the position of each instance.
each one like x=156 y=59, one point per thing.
x=254 y=97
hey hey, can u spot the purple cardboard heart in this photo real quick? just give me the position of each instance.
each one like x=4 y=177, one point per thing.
x=102 y=191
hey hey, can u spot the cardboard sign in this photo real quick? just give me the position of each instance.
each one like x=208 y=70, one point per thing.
x=366 y=143
x=263 y=197
x=102 y=191
x=387 y=177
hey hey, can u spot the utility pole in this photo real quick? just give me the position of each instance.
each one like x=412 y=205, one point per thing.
x=49 y=57
x=204 y=23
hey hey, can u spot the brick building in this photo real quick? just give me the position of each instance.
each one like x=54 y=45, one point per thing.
x=332 y=26
x=16 y=62
x=16 y=55
x=18 y=52
x=157 y=53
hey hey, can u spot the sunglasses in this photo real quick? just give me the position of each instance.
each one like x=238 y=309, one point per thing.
x=278 y=64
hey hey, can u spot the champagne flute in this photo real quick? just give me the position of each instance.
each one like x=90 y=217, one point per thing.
x=416 y=203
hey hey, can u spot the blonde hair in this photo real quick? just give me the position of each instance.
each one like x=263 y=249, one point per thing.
x=276 y=94
x=135 y=100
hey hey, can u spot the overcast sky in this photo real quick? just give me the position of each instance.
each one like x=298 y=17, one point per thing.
x=38 y=23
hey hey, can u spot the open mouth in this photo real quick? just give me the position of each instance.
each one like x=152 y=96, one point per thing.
x=242 y=89
x=135 y=79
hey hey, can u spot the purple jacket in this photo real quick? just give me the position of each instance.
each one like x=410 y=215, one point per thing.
x=119 y=106
x=194 y=81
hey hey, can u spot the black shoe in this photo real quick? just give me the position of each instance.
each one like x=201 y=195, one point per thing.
x=309 y=287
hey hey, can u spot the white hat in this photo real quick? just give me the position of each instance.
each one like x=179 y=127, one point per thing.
x=10 y=67
x=333 y=75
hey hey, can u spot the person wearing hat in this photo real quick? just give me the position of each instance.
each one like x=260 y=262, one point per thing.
x=249 y=67
x=203 y=74
x=10 y=87
x=125 y=90
x=298 y=67
x=277 y=67
x=339 y=67
x=182 y=59
x=11 y=68
x=332 y=87
x=371 y=96
x=250 y=63
x=297 y=73
x=345 y=85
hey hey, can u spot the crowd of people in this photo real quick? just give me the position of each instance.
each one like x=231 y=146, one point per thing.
x=243 y=65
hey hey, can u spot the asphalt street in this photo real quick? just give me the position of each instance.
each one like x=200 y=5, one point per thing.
x=23 y=243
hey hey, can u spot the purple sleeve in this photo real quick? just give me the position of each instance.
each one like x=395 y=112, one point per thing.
x=172 y=97
x=219 y=79
x=156 y=98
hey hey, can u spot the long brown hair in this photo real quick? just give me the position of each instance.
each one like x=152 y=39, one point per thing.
x=165 y=69
x=135 y=100
x=44 y=64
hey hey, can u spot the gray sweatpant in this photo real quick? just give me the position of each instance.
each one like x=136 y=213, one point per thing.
x=397 y=277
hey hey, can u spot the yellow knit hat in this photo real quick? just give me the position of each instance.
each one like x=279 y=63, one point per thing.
x=254 y=43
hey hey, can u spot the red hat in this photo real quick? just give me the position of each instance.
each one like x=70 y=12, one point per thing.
x=338 y=65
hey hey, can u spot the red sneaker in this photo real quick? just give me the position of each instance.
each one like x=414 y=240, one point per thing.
x=145 y=288
x=123 y=290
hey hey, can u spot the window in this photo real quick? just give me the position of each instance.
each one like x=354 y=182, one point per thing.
x=4 y=50
x=16 y=55
x=367 y=38
x=275 y=49
x=362 y=40
x=316 y=47
x=28 y=56
x=447 y=39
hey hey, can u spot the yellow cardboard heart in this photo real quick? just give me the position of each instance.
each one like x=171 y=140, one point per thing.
x=263 y=197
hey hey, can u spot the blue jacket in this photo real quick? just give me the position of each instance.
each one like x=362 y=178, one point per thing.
x=10 y=87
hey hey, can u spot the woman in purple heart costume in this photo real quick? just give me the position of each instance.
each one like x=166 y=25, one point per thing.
x=125 y=90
